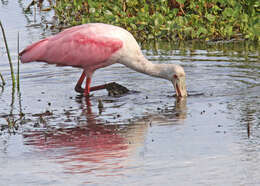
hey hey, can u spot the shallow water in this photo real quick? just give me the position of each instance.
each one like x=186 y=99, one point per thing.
x=143 y=138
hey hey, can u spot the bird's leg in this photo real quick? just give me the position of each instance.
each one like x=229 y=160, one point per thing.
x=78 y=87
x=99 y=87
x=87 y=88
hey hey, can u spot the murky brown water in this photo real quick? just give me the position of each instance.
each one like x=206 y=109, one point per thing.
x=144 y=138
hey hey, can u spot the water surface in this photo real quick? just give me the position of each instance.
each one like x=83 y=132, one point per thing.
x=144 y=138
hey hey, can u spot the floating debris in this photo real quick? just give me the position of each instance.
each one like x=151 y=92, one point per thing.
x=100 y=104
x=115 y=89
x=46 y=113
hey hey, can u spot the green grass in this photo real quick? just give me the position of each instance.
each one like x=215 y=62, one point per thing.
x=18 y=63
x=3 y=81
x=8 y=55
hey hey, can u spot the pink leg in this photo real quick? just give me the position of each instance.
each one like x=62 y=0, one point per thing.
x=87 y=88
x=99 y=87
x=79 y=83
x=79 y=89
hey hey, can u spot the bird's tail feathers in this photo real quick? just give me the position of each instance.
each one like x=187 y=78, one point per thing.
x=33 y=52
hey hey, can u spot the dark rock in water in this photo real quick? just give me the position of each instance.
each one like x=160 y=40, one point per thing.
x=114 y=89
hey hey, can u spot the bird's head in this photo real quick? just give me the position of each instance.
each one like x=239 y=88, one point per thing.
x=176 y=74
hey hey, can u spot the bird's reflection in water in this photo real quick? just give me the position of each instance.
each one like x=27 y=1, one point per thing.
x=170 y=115
x=181 y=108
x=95 y=145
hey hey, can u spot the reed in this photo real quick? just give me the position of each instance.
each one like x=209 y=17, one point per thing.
x=3 y=81
x=8 y=55
x=18 y=64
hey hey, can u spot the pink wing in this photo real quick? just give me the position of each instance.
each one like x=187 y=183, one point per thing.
x=77 y=46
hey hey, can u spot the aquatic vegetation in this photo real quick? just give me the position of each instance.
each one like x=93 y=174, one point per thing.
x=12 y=123
x=2 y=79
x=18 y=64
x=168 y=19
x=11 y=63
x=8 y=54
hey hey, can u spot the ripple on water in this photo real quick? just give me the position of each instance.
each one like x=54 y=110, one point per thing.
x=49 y=134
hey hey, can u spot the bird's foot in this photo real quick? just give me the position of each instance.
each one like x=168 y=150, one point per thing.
x=79 y=89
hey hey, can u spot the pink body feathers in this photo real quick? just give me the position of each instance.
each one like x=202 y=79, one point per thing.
x=81 y=46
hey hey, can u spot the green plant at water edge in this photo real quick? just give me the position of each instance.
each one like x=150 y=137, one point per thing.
x=168 y=19
x=3 y=81
x=8 y=55
x=18 y=64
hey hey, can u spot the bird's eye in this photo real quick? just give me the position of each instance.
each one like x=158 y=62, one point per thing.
x=175 y=76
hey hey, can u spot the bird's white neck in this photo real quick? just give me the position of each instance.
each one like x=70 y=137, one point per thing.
x=141 y=64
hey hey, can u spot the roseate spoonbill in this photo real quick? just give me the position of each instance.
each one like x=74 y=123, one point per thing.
x=96 y=45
